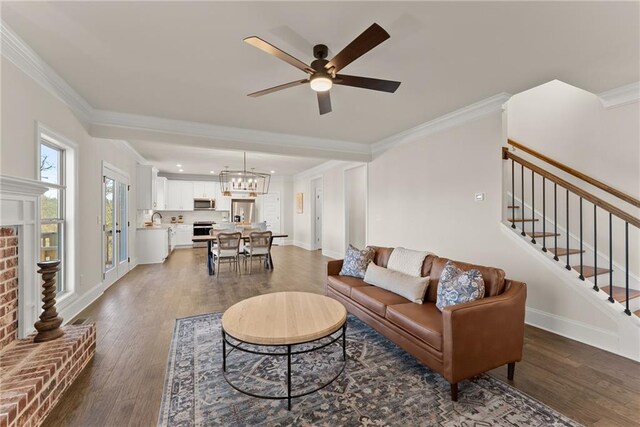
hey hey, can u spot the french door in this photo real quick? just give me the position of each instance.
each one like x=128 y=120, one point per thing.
x=115 y=224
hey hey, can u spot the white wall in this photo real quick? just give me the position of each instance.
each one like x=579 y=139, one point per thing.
x=23 y=104
x=355 y=186
x=421 y=196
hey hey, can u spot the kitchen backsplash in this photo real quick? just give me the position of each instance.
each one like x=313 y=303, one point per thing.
x=192 y=216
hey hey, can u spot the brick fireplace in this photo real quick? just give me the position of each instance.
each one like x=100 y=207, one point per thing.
x=8 y=285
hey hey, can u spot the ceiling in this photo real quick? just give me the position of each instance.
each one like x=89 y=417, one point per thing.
x=187 y=61
x=201 y=161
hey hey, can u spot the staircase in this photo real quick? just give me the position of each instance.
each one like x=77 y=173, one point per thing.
x=565 y=218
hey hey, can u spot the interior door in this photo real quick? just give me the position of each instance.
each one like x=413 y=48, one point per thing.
x=271 y=211
x=115 y=224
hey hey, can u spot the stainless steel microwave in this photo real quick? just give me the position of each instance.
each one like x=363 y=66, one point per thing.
x=204 y=204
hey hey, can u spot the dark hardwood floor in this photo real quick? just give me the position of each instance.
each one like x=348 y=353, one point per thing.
x=135 y=318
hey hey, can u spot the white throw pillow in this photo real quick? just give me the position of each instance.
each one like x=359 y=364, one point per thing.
x=407 y=261
x=412 y=288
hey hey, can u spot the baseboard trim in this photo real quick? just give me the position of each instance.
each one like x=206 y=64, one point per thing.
x=332 y=254
x=573 y=329
x=302 y=245
x=80 y=303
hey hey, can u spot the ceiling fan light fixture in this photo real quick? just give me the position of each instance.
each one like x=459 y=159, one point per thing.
x=321 y=82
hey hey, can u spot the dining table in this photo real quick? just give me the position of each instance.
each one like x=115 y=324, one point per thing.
x=213 y=238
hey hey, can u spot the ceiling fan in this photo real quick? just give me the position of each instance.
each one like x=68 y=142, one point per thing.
x=323 y=74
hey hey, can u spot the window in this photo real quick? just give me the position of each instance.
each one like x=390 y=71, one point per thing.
x=53 y=213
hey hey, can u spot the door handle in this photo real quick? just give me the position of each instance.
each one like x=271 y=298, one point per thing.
x=118 y=231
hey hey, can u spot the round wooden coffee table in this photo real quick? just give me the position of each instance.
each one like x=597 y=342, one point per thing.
x=283 y=319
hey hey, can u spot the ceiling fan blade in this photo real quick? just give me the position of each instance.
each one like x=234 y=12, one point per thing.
x=370 y=38
x=324 y=102
x=277 y=88
x=366 y=83
x=278 y=53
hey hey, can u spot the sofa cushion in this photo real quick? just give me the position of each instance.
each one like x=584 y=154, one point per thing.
x=356 y=261
x=376 y=299
x=344 y=284
x=493 y=277
x=382 y=258
x=411 y=287
x=423 y=321
x=458 y=287
x=407 y=261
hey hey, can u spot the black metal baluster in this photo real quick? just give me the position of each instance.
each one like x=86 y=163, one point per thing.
x=611 y=258
x=555 y=221
x=595 y=247
x=568 y=266
x=626 y=266
x=544 y=216
x=513 y=194
x=533 y=207
x=581 y=277
x=522 y=198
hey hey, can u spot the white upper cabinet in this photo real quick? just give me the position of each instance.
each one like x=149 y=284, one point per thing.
x=146 y=187
x=204 y=189
x=180 y=195
x=161 y=193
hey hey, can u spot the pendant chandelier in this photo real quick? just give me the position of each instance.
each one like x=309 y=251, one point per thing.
x=244 y=181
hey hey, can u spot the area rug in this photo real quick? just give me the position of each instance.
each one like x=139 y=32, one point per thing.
x=382 y=385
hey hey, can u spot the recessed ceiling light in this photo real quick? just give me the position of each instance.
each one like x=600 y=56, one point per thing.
x=180 y=170
x=273 y=171
x=179 y=165
x=211 y=172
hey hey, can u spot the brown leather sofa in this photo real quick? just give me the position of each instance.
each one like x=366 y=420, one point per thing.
x=460 y=342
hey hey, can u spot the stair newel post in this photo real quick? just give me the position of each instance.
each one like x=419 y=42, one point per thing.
x=581 y=277
x=544 y=215
x=595 y=246
x=513 y=193
x=626 y=267
x=533 y=207
x=48 y=326
x=611 y=258
x=568 y=266
x=555 y=221
x=522 y=197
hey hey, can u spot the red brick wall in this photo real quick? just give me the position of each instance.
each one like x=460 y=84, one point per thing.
x=8 y=285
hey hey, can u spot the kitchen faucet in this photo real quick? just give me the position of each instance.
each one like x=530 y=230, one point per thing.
x=154 y=214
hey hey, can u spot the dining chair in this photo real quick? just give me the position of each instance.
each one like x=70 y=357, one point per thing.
x=259 y=246
x=228 y=249
x=260 y=226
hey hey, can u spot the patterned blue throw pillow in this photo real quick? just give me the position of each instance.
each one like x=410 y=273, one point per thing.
x=457 y=286
x=356 y=261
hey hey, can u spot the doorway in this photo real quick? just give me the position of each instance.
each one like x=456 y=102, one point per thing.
x=271 y=211
x=355 y=203
x=316 y=210
x=115 y=223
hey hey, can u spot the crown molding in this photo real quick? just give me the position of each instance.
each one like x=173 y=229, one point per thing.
x=324 y=167
x=619 y=96
x=139 y=157
x=29 y=62
x=455 y=118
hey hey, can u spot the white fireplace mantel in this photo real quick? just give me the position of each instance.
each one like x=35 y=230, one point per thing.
x=20 y=207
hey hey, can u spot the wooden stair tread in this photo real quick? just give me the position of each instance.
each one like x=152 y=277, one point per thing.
x=522 y=219
x=564 y=251
x=619 y=293
x=513 y=207
x=541 y=234
x=637 y=313
x=589 y=271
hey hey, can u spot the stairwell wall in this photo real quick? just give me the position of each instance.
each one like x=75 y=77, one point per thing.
x=421 y=196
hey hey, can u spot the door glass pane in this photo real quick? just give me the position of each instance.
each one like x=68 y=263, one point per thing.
x=122 y=221
x=50 y=205
x=51 y=248
x=50 y=169
x=109 y=216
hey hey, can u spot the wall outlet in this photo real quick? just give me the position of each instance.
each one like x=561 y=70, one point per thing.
x=480 y=197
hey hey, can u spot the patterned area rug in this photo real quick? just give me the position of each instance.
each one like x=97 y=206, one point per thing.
x=382 y=385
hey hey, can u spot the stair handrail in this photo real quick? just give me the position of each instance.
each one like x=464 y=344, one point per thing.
x=506 y=154
x=596 y=183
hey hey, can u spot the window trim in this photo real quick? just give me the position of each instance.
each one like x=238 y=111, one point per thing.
x=69 y=202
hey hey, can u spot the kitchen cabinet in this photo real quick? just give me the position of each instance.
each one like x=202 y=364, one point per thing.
x=161 y=193
x=223 y=203
x=184 y=233
x=152 y=245
x=179 y=196
x=204 y=189
x=146 y=187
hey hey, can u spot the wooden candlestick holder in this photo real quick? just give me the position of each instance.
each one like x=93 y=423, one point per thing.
x=48 y=326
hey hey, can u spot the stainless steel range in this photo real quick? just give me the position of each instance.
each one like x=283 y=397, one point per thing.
x=202 y=228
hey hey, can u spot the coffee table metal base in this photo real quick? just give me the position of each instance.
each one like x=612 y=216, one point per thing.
x=290 y=352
